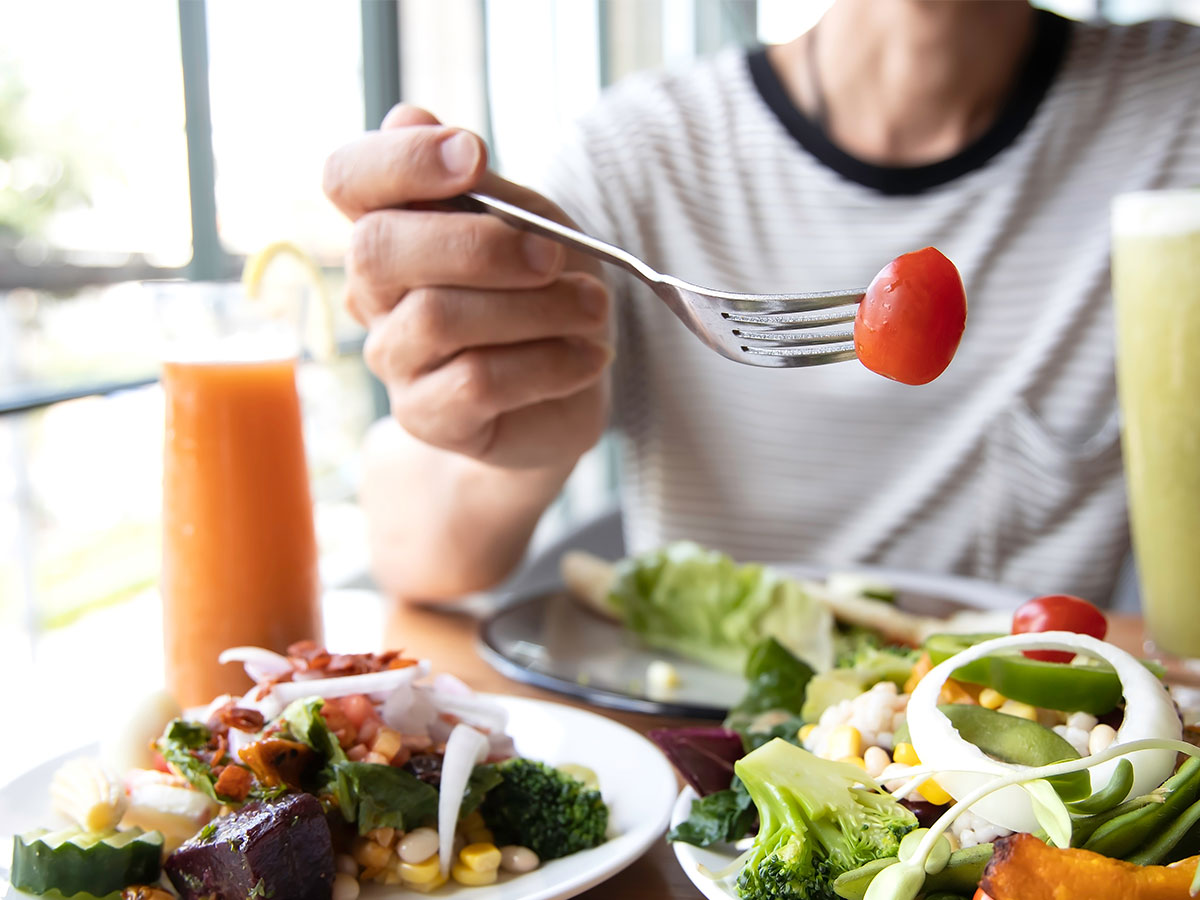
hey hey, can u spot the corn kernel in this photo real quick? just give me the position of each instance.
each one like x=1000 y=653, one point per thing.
x=1021 y=710
x=480 y=857
x=854 y=761
x=422 y=872
x=464 y=875
x=805 y=731
x=845 y=740
x=934 y=793
x=906 y=755
x=473 y=819
x=428 y=885
x=382 y=836
x=991 y=699
x=391 y=876
x=387 y=743
x=371 y=855
x=480 y=836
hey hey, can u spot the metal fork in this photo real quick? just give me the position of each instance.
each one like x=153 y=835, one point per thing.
x=775 y=330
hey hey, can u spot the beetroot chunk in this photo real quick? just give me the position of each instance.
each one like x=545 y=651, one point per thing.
x=280 y=849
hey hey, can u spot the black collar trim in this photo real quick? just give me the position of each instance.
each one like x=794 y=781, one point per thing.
x=1052 y=34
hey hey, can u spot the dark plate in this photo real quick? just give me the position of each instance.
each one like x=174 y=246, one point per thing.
x=551 y=641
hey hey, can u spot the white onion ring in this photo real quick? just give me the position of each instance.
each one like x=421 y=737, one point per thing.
x=1149 y=713
x=470 y=708
x=260 y=664
x=341 y=686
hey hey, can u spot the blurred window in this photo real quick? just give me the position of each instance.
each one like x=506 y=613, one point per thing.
x=125 y=123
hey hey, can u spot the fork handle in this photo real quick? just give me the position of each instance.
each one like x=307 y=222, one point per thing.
x=525 y=220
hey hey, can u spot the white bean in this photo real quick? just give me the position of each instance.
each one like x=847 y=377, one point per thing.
x=345 y=887
x=418 y=845
x=876 y=759
x=518 y=859
x=1100 y=738
x=346 y=863
x=1081 y=720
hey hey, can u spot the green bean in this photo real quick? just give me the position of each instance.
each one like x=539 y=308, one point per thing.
x=1109 y=795
x=1123 y=835
x=1156 y=851
x=1083 y=827
x=960 y=876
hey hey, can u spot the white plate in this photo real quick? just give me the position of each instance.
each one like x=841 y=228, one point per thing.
x=714 y=858
x=636 y=780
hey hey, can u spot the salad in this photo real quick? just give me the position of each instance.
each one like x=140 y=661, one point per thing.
x=1045 y=763
x=333 y=771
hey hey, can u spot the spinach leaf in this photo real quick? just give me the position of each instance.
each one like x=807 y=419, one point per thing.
x=725 y=816
x=776 y=681
x=375 y=796
x=482 y=780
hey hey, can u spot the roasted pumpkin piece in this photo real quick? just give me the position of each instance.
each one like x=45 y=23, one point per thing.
x=276 y=762
x=1025 y=868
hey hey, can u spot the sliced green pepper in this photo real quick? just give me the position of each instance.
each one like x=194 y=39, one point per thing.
x=1094 y=689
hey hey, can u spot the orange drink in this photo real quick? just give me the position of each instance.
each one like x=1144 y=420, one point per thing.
x=239 y=550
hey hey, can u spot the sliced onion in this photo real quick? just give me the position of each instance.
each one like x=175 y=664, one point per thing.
x=470 y=708
x=260 y=664
x=1149 y=713
x=465 y=749
x=268 y=705
x=451 y=684
x=371 y=683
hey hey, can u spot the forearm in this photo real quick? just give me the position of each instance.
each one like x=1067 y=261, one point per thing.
x=442 y=525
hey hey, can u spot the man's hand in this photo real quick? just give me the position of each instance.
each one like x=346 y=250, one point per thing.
x=492 y=343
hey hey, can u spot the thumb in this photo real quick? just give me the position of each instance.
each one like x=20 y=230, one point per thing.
x=405 y=114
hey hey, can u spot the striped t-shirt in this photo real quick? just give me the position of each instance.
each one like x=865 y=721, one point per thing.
x=1008 y=467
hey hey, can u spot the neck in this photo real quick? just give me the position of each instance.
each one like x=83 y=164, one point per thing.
x=907 y=82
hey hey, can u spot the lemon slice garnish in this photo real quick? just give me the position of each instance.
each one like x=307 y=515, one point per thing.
x=279 y=273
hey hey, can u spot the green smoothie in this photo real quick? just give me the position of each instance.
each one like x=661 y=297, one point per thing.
x=1156 y=285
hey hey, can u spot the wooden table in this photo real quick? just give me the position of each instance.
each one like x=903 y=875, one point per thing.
x=449 y=641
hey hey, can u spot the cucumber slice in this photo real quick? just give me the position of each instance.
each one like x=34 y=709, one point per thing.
x=71 y=861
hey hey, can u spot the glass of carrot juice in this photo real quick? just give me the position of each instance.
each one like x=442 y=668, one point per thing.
x=239 y=547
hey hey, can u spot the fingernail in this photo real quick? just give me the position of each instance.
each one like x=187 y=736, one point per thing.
x=460 y=153
x=540 y=254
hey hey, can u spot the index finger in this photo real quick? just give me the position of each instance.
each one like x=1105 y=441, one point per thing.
x=386 y=169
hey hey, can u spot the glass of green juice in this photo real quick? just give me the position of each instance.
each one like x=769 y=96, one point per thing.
x=1156 y=287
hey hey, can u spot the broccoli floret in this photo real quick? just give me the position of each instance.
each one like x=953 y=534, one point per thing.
x=548 y=811
x=814 y=823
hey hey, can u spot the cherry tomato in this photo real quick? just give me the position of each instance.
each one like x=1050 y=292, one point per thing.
x=912 y=317
x=1058 y=612
x=980 y=895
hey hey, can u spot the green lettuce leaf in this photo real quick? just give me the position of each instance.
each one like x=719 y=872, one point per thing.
x=701 y=604
x=178 y=744
x=305 y=724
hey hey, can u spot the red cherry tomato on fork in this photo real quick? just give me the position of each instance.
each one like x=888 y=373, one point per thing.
x=911 y=318
x=1058 y=612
